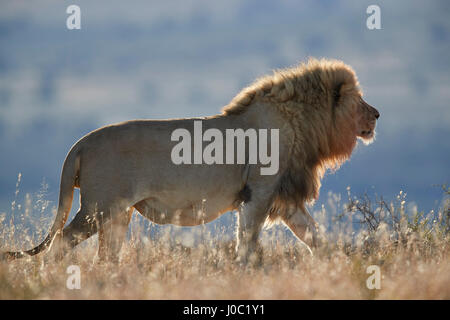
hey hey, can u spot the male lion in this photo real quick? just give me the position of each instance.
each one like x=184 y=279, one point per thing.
x=316 y=106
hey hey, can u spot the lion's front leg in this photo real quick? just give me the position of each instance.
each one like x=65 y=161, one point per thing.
x=303 y=226
x=251 y=218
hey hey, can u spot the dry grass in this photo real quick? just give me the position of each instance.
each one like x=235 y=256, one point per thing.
x=411 y=249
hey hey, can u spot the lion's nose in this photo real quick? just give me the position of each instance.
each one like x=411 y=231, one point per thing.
x=371 y=109
x=376 y=113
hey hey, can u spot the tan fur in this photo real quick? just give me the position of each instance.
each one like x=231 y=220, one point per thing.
x=319 y=111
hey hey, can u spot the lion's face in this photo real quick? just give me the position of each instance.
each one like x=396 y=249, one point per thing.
x=366 y=118
x=354 y=118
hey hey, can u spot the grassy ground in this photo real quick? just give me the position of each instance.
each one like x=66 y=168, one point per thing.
x=410 y=248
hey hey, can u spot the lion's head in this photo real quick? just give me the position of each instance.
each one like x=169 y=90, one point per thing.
x=352 y=117
x=322 y=100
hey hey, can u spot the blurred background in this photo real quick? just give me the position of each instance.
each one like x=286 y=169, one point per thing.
x=182 y=58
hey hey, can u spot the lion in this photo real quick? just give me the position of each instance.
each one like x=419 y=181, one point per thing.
x=318 y=108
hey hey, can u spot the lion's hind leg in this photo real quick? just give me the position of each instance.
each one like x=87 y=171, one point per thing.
x=82 y=227
x=112 y=233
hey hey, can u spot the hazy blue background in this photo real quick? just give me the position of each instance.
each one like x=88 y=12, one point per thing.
x=160 y=59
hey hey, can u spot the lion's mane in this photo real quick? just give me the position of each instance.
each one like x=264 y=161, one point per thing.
x=323 y=139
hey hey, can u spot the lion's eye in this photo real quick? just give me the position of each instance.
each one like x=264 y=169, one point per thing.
x=336 y=95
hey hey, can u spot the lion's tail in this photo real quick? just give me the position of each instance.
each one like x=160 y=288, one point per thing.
x=69 y=177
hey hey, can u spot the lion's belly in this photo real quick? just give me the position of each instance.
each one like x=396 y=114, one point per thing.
x=185 y=213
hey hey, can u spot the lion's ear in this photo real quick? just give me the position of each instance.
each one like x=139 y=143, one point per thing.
x=337 y=94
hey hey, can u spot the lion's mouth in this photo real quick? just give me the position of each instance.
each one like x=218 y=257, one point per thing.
x=367 y=135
